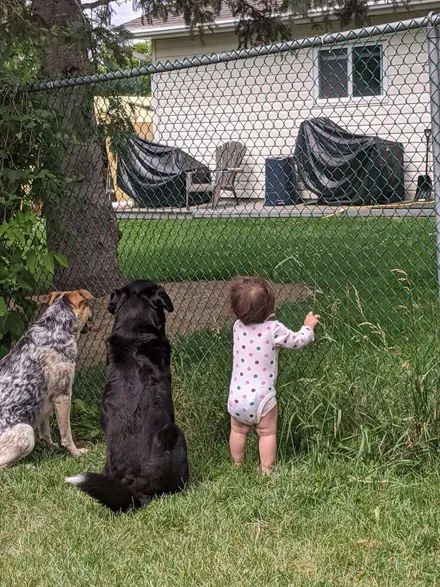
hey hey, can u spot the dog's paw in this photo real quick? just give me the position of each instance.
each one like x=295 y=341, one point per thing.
x=78 y=452
x=74 y=451
x=50 y=444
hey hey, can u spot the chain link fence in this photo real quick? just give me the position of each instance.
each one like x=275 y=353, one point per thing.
x=308 y=163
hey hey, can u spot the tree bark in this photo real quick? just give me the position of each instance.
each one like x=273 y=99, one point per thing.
x=81 y=225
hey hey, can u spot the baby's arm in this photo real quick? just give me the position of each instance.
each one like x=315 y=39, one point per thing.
x=296 y=340
x=293 y=340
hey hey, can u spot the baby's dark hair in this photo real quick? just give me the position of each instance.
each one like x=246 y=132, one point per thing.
x=252 y=299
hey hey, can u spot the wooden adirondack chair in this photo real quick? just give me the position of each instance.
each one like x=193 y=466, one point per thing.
x=229 y=158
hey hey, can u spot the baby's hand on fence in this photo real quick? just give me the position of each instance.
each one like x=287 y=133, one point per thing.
x=312 y=320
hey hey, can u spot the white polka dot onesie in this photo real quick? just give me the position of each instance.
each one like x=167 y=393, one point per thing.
x=255 y=366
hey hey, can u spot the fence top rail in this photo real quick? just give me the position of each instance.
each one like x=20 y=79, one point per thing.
x=239 y=54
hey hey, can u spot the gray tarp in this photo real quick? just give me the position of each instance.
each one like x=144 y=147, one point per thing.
x=343 y=168
x=154 y=175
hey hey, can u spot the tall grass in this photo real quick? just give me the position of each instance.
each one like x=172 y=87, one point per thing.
x=352 y=393
x=367 y=389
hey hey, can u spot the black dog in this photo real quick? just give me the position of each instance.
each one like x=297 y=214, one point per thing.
x=146 y=451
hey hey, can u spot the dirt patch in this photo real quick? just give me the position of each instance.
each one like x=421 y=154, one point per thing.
x=197 y=305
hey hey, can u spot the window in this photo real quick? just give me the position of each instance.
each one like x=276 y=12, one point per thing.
x=350 y=72
x=333 y=73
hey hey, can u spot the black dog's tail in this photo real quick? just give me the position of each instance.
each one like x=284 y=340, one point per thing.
x=113 y=493
x=108 y=492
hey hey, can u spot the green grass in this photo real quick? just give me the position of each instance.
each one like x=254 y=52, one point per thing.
x=328 y=252
x=354 y=497
x=368 y=387
x=312 y=523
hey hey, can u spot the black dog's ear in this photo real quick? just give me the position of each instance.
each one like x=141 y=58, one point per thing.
x=163 y=300
x=117 y=298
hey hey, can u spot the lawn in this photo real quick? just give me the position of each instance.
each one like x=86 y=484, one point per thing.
x=325 y=522
x=354 y=497
x=370 y=383
x=330 y=251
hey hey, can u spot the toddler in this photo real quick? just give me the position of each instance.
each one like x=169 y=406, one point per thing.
x=257 y=339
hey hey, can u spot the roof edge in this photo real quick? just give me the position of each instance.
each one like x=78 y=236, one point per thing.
x=228 y=25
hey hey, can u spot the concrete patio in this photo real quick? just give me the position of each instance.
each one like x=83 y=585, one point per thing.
x=257 y=209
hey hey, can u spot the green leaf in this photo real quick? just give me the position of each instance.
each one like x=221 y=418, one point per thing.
x=3 y=350
x=32 y=261
x=4 y=227
x=25 y=279
x=3 y=306
x=61 y=259
x=48 y=263
x=15 y=324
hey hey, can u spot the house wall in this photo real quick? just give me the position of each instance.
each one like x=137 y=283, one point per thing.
x=262 y=101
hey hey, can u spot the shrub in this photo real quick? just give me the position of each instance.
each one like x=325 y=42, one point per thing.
x=29 y=142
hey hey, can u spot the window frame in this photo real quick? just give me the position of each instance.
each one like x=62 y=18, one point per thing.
x=350 y=97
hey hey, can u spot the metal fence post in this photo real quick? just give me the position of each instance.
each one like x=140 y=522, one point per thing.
x=434 y=85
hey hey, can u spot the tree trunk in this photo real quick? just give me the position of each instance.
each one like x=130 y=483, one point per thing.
x=81 y=225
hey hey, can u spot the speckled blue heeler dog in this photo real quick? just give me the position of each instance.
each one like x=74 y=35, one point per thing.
x=38 y=374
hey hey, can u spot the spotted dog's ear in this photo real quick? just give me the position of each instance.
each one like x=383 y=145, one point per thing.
x=78 y=297
x=117 y=298
x=53 y=296
x=86 y=295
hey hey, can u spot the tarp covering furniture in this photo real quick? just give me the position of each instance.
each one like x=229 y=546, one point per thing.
x=343 y=168
x=154 y=175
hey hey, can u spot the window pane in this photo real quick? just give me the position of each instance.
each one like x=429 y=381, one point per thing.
x=367 y=71
x=333 y=73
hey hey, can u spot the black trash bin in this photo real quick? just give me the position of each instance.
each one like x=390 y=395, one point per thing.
x=280 y=182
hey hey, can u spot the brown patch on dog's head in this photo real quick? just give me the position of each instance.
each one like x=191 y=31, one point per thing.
x=53 y=296
x=78 y=301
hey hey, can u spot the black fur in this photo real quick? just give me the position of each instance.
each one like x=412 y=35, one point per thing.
x=146 y=451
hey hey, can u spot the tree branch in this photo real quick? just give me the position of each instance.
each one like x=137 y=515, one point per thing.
x=96 y=4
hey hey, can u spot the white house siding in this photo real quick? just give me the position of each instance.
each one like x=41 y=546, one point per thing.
x=262 y=101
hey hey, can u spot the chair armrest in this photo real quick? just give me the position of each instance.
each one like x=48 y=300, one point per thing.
x=230 y=170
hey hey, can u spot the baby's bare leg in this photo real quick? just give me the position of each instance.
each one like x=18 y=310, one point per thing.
x=267 y=446
x=237 y=440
